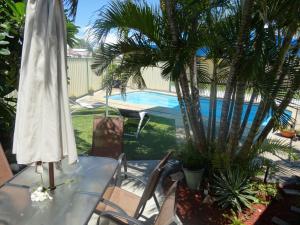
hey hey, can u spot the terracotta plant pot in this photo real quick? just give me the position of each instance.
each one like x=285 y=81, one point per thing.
x=287 y=133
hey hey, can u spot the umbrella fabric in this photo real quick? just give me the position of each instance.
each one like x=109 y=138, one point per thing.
x=43 y=129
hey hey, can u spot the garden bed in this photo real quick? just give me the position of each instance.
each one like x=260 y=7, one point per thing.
x=192 y=211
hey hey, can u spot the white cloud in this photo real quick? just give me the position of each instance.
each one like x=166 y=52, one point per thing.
x=112 y=38
x=85 y=33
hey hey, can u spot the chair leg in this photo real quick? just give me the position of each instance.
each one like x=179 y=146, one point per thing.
x=177 y=220
x=98 y=220
x=141 y=211
x=156 y=202
x=125 y=166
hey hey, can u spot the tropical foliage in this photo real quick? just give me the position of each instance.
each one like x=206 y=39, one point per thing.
x=12 y=19
x=233 y=190
x=72 y=30
x=251 y=45
x=233 y=219
x=191 y=158
x=263 y=189
x=11 y=28
x=253 y=49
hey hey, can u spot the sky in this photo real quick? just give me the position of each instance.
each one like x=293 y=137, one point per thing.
x=87 y=11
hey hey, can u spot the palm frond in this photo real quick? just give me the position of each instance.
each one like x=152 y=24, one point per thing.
x=276 y=147
x=120 y=16
x=71 y=6
x=72 y=30
x=137 y=50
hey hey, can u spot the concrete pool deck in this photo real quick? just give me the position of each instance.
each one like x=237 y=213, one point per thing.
x=287 y=169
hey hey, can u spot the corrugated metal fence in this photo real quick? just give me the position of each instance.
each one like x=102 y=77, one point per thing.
x=82 y=78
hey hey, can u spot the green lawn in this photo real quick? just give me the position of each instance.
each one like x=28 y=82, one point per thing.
x=155 y=140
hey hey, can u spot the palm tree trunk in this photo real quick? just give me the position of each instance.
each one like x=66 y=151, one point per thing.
x=260 y=114
x=196 y=107
x=225 y=109
x=232 y=103
x=199 y=135
x=237 y=116
x=194 y=84
x=247 y=113
x=170 y=9
x=265 y=104
x=183 y=112
x=214 y=114
x=212 y=101
x=195 y=120
x=282 y=53
x=286 y=101
x=234 y=69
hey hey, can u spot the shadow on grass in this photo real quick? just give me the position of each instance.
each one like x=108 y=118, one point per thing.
x=94 y=111
x=83 y=147
x=154 y=141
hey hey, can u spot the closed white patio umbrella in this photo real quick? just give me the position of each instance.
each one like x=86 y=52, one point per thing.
x=43 y=128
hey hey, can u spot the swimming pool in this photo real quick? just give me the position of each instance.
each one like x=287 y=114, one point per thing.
x=156 y=99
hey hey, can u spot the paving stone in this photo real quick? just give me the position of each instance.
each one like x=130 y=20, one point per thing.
x=295 y=209
x=291 y=192
x=279 y=221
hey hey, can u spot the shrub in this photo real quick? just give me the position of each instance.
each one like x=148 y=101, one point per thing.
x=233 y=189
x=233 y=219
x=191 y=157
x=265 y=192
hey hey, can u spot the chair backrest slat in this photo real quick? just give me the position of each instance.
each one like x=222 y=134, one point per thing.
x=5 y=171
x=107 y=136
x=167 y=214
x=152 y=183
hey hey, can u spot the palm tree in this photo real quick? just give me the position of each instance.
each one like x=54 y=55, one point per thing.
x=142 y=42
x=71 y=6
x=260 y=62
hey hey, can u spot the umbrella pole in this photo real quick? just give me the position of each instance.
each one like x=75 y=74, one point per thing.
x=51 y=176
x=106 y=104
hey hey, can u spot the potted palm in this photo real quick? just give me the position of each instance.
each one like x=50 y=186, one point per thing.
x=192 y=166
x=287 y=132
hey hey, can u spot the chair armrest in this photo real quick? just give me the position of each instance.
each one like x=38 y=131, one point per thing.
x=131 y=176
x=111 y=215
x=111 y=204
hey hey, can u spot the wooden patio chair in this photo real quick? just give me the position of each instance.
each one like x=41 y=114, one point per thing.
x=167 y=214
x=5 y=171
x=120 y=200
x=107 y=136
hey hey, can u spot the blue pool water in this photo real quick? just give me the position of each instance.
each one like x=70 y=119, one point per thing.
x=155 y=99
